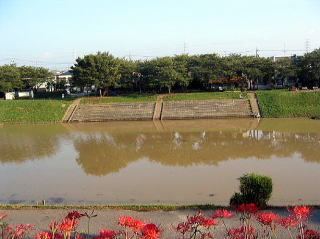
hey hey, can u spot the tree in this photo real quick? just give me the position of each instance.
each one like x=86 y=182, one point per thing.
x=9 y=78
x=128 y=70
x=33 y=76
x=309 y=68
x=284 y=69
x=100 y=70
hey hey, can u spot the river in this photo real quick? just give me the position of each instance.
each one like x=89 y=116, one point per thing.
x=176 y=162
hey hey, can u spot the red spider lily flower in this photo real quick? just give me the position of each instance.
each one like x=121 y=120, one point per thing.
x=48 y=235
x=267 y=218
x=43 y=235
x=289 y=221
x=68 y=225
x=206 y=235
x=106 y=234
x=137 y=225
x=150 y=231
x=74 y=215
x=22 y=229
x=126 y=221
x=301 y=212
x=77 y=236
x=222 y=213
x=54 y=226
x=241 y=233
x=183 y=227
x=249 y=208
x=3 y=216
x=208 y=222
x=310 y=234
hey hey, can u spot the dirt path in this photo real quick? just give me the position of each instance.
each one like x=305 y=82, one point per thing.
x=107 y=218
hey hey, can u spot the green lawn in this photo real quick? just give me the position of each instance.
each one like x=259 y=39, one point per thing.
x=282 y=104
x=205 y=96
x=32 y=111
x=120 y=99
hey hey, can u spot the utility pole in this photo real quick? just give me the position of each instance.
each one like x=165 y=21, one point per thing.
x=184 y=47
x=307 y=46
x=257 y=52
x=284 y=49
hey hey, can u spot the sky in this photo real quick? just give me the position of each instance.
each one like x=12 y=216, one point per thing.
x=52 y=33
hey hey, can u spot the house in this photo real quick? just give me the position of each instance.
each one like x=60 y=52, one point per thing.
x=53 y=83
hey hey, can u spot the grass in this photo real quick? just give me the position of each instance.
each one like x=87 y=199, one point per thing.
x=120 y=99
x=205 y=96
x=32 y=111
x=289 y=104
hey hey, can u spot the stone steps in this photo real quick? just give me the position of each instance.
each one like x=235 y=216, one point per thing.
x=114 y=111
x=206 y=109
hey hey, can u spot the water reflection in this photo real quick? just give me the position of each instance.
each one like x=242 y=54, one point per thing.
x=118 y=157
x=103 y=153
x=19 y=143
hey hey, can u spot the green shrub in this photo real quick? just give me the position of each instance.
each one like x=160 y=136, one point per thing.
x=254 y=188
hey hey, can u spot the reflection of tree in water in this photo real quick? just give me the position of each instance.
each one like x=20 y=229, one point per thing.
x=28 y=142
x=102 y=154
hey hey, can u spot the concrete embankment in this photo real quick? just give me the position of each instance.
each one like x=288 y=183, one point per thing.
x=192 y=109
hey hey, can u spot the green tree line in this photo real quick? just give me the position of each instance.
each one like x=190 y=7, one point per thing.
x=13 y=77
x=181 y=72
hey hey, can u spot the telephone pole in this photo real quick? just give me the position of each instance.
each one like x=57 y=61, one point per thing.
x=307 y=46
x=257 y=52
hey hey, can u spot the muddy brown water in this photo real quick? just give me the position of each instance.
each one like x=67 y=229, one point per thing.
x=176 y=162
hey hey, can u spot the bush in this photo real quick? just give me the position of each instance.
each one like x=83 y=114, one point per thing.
x=254 y=188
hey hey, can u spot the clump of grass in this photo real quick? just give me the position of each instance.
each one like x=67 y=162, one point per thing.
x=120 y=99
x=205 y=96
x=32 y=111
x=286 y=104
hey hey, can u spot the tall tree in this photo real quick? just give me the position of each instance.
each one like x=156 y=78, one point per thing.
x=309 y=68
x=100 y=70
x=33 y=76
x=9 y=78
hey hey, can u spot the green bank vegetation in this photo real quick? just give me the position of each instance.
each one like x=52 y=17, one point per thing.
x=120 y=99
x=286 y=104
x=32 y=111
x=205 y=96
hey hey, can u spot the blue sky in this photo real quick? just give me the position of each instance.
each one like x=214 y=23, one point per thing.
x=52 y=32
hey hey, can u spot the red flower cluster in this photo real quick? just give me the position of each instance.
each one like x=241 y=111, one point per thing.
x=289 y=221
x=222 y=213
x=48 y=235
x=74 y=215
x=267 y=218
x=310 y=234
x=131 y=223
x=140 y=228
x=244 y=232
x=301 y=212
x=150 y=231
x=17 y=232
x=106 y=234
x=248 y=208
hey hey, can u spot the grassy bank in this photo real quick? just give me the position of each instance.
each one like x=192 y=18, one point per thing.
x=204 y=96
x=32 y=111
x=287 y=104
x=120 y=99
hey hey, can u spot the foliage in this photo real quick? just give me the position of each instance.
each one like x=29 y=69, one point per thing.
x=32 y=111
x=101 y=70
x=278 y=104
x=9 y=78
x=308 y=68
x=119 y=99
x=204 y=96
x=32 y=76
x=254 y=188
